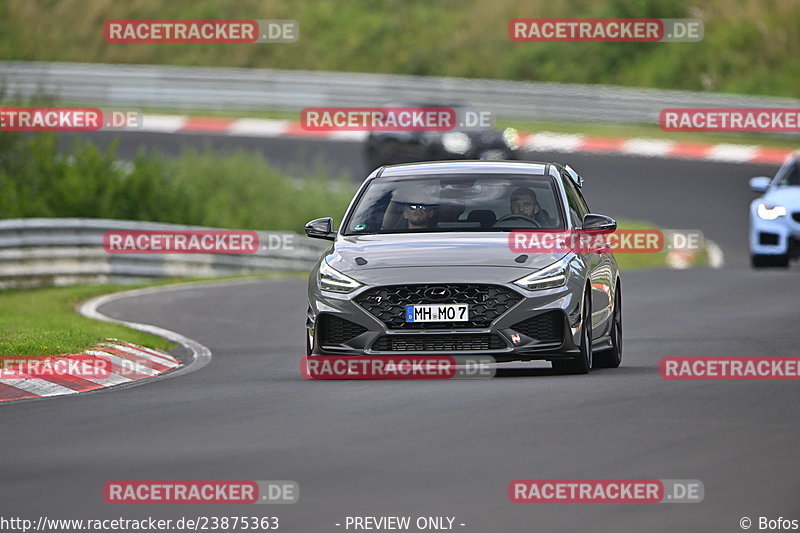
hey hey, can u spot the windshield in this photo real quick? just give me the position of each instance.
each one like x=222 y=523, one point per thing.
x=789 y=175
x=456 y=203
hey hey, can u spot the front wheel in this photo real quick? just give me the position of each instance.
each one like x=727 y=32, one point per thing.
x=612 y=357
x=583 y=361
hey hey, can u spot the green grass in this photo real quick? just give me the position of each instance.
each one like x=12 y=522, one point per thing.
x=638 y=261
x=749 y=45
x=198 y=187
x=46 y=322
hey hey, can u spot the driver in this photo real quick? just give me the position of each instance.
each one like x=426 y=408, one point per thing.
x=418 y=215
x=524 y=202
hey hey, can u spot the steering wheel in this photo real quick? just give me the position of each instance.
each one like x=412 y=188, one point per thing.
x=518 y=217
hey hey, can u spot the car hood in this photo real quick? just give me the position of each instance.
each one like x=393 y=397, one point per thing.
x=785 y=196
x=445 y=250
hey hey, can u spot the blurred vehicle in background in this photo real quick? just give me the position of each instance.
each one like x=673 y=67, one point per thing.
x=775 y=217
x=393 y=147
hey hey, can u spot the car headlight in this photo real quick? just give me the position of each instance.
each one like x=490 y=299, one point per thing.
x=330 y=279
x=456 y=142
x=511 y=138
x=549 y=277
x=770 y=212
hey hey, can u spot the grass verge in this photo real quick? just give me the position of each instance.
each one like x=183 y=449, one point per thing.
x=197 y=187
x=46 y=322
x=639 y=261
x=746 y=47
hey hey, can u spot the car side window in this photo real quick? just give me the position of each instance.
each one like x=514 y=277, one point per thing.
x=789 y=175
x=576 y=205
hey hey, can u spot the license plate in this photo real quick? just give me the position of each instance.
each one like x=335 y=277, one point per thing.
x=437 y=313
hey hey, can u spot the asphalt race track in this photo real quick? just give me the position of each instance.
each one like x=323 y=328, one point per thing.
x=450 y=448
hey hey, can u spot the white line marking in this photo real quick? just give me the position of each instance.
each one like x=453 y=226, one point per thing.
x=647 y=147
x=126 y=364
x=201 y=355
x=39 y=387
x=161 y=123
x=553 y=142
x=715 y=256
x=257 y=127
x=735 y=153
x=161 y=360
x=356 y=136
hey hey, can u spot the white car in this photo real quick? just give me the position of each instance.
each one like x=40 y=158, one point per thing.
x=775 y=217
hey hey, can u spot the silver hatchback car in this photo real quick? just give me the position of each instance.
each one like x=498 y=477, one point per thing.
x=422 y=264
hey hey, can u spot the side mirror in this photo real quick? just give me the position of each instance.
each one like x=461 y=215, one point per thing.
x=321 y=228
x=599 y=223
x=760 y=184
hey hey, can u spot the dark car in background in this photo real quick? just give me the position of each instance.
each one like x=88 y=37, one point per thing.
x=463 y=142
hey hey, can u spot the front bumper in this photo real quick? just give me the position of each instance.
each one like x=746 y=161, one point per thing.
x=774 y=237
x=540 y=325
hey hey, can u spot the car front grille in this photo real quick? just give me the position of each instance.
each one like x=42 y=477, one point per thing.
x=486 y=303
x=548 y=327
x=438 y=343
x=335 y=330
x=796 y=216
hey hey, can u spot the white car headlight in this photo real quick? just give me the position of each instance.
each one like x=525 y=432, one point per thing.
x=511 y=138
x=330 y=279
x=770 y=212
x=456 y=142
x=549 y=277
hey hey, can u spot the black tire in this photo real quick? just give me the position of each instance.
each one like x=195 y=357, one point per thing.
x=612 y=357
x=583 y=362
x=309 y=351
x=769 y=261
